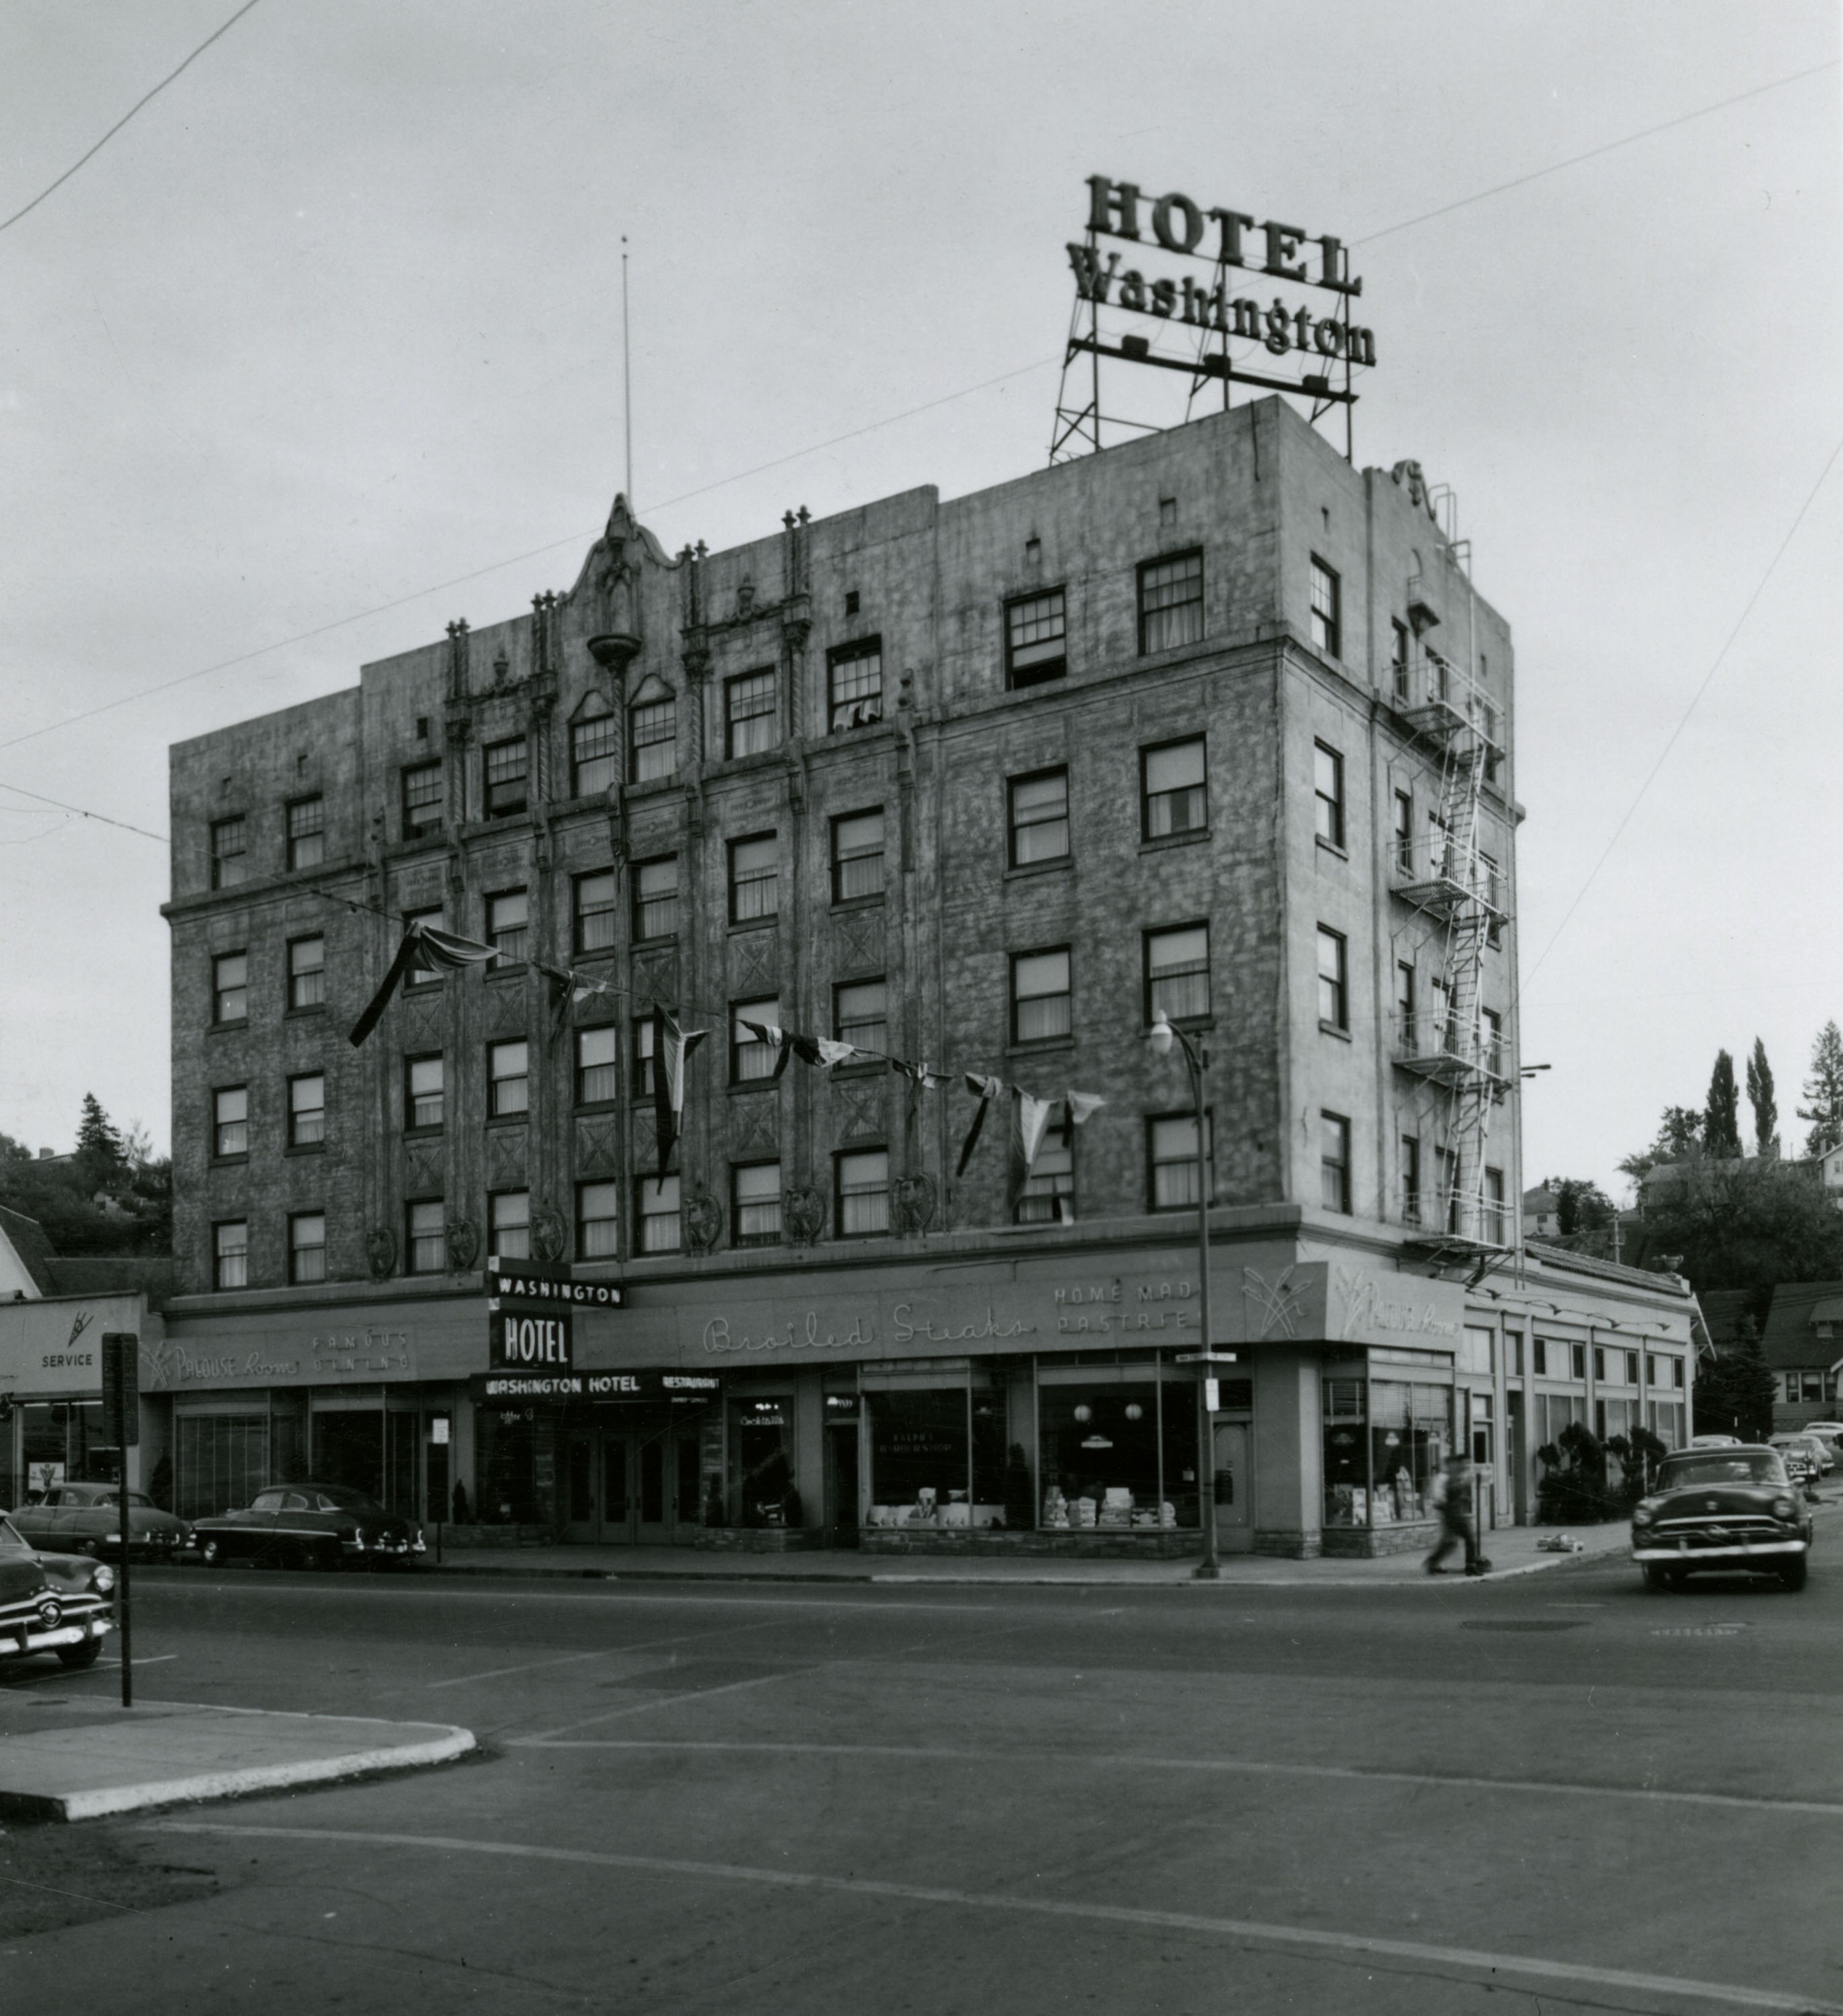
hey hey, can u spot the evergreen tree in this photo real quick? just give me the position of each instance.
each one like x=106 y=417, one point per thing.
x=1759 y=1096
x=1581 y=1205
x=99 y=1146
x=1824 y=1090
x=1721 y=1117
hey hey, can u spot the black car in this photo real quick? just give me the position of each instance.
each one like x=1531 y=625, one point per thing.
x=1735 y=1509
x=52 y=1603
x=307 y=1525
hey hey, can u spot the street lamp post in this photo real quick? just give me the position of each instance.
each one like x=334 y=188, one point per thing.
x=1161 y=1036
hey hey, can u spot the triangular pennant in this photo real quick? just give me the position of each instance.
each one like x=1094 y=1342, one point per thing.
x=1082 y=1105
x=832 y=1053
x=671 y=1046
x=1033 y=1119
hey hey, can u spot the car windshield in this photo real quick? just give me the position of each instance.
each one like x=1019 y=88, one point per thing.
x=1720 y=1467
x=9 y=1535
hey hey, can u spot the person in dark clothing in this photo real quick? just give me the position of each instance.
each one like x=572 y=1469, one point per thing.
x=1456 y=1518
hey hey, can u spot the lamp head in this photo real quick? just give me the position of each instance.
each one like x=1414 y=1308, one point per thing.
x=1162 y=1035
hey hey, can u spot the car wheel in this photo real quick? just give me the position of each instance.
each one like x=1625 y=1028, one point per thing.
x=211 y=1551
x=93 y=1548
x=1657 y=1577
x=80 y=1656
x=1792 y=1574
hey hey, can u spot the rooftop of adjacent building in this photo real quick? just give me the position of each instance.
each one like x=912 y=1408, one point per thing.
x=29 y=1269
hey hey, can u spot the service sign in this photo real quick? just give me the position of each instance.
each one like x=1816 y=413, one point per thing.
x=521 y=1342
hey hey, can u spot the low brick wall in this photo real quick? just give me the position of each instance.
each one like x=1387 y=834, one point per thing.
x=1085 y=1544
x=1368 y=1543
x=490 y=1536
x=759 y=1539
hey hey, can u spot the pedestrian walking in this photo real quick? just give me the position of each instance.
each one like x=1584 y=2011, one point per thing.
x=1452 y=1497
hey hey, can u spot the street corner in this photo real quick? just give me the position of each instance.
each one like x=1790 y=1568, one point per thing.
x=170 y=1753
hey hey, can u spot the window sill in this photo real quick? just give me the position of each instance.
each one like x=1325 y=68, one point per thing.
x=1332 y=1029
x=304 y=1014
x=1330 y=847
x=305 y=1148
x=598 y=1106
x=511 y=969
x=763 y=1083
x=498 y=1120
x=660 y=944
x=875 y=902
x=868 y=1068
x=423 y=1133
x=1035 y=677
x=238 y=1022
x=755 y=924
x=230 y=1162
x=1039 y=1046
x=1192 y=838
x=1022 y=870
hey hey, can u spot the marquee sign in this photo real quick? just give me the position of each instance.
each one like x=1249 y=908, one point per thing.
x=533 y=1284
x=1322 y=337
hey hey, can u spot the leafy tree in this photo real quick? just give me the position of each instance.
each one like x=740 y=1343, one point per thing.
x=1824 y=1088
x=1759 y=1096
x=1581 y=1205
x=1747 y=1225
x=1721 y=1116
x=1679 y=1137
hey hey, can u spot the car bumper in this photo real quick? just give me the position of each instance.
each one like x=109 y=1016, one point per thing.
x=14 y=1641
x=1686 y=1550
x=389 y=1550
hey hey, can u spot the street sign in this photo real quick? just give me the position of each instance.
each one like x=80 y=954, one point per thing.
x=1203 y=1358
x=1212 y=1395
x=121 y=1389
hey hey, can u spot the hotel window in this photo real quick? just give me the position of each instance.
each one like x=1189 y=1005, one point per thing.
x=306 y=972
x=594 y=759
x=230 y=1115
x=230 y=864
x=862 y=1187
x=420 y=975
x=508 y=926
x=749 y=1058
x=598 y=1221
x=1334 y=986
x=1492 y=892
x=1333 y=1162
x=1327 y=785
x=1036 y=639
x=656 y=898
x=230 y=987
x=1171 y=1153
x=1406 y=1031
x=752 y=879
x=306 y=832
x=595 y=911
x=307 y=1110
x=1632 y=1368
x=1404 y=832
x=1039 y=817
x=1398 y=660
x=857 y=856
x=656 y=1200
x=1496 y=1228
x=653 y=741
x=1326 y=616
x=859 y=1015
x=1040 y=996
x=425 y=1237
x=1171 y=602
x=755 y=1203
x=424 y=794
x=1048 y=1197
x=508 y=1224
x=230 y=1255
x=307 y=1247
x=1446 y=1177
x=749 y=713
x=1177 y=973
x=1174 y=793
x=642 y=1057
x=596 y=1074
x=854 y=680
x=1493 y=1032
x=507 y=776
x=421 y=1092
x=1410 y=1179
x=509 y=1084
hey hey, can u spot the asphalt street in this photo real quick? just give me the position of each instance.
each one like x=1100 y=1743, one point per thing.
x=1556 y=1792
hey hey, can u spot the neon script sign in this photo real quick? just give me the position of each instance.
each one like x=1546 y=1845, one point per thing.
x=1178 y=225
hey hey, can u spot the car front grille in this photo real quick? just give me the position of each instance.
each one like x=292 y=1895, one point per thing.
x=1710 y=1531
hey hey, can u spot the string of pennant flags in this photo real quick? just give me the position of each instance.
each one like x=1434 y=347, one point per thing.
x=426 y=945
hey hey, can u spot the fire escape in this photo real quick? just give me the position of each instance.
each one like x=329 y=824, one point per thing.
x=1452 y=1042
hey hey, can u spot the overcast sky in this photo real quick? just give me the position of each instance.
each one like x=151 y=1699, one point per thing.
x=335 y=320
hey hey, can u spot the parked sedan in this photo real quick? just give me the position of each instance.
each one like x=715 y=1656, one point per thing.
x=307 y=1525
x=86 y=1519
x=1733 y=1509
x=52 y=1603
x=1823 y=1460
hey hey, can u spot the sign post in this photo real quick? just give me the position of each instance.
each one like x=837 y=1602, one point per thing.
x=121 y=1425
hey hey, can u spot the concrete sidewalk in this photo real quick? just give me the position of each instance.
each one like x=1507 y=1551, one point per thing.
x=69 y=1757
x=1512 y=1550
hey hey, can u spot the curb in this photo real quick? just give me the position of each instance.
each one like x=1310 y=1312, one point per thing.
x=101 y=1801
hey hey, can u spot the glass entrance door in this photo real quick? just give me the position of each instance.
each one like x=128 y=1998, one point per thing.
x=1235 y=1495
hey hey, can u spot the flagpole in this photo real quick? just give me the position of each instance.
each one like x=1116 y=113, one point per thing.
x=627 y=383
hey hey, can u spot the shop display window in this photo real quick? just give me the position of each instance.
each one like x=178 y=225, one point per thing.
x=1385 y=1440
x=1118 y=1457
x=761 y=1463
x=937 y=1452
x=506 y=1462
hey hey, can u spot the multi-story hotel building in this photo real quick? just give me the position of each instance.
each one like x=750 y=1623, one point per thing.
x=1212 y=727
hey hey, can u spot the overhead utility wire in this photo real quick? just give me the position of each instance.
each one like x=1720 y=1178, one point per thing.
x=7 y=224
x=1695 y=701
x=102 y=818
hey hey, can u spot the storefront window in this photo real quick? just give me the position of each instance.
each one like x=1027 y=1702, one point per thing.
x=1385 y=1440
x=506 y=1465
x=1101 y=1458
x=761 y=1463
x=919 y=1457
x=349 y=1449
x=220 y=1461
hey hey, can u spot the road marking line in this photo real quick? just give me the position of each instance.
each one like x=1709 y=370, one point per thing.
x=1464 y=1961
x=661 y=1701
x=1824 y=1809
x=602 y=1652
x=101 y=1666
x=639 y=1594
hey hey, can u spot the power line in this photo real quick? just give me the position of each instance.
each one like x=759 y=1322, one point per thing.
x=78 y=811
x=7 y=224
x=1593 y=154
